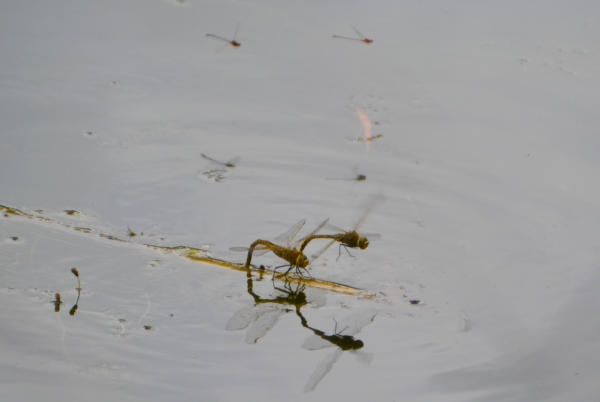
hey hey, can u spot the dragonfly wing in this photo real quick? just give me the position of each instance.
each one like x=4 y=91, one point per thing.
x=358 y=33
x=264 y=324
x=335 y=228
x=314 y=232
x=233 y=161
x=258 y=250
x=242 y=318
x=370 y=236
x=315 y=342
x=322 y=369
x=237 y=29
x=316 y=297
x=288 y=237
x=318 y=253
x=354 y=323
x=363 y=357
x=368 y=207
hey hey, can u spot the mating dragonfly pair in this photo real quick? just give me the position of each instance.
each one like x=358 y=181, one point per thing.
x=292 y=251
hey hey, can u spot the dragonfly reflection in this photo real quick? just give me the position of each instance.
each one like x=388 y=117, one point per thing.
x=267 y=311
x=57 y=302
x=342 y=337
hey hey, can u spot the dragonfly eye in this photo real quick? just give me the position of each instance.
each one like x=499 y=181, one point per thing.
x=363 y=243
x=302 y=261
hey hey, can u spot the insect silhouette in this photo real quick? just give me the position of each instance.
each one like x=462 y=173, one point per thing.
x=361 y=37
x=230 y=163
x=283 y=247
x=130 y=234
x=359 y=176
x=57 y=302
x=350 y=238
x=266 y=311
x=343 y=339
x=232 y=42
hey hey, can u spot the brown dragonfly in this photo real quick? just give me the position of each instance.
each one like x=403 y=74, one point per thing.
x=351 y=238
x=284 y=247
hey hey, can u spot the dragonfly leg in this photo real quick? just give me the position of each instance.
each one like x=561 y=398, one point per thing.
x=276 y=268
x=340 y=251
x=288 y=271
x=301 y=274
x=335 y=331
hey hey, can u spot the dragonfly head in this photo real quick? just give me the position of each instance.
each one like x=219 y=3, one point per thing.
x=358 y=344
x=347 y=342
x=302 y=261
x=362 y=243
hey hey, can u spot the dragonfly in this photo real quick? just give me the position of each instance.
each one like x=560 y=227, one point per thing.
x=230 y=163
x=344 y=340
x=283 y=246
x=361 y=37
x=350 y=238
x=359 y=176
x=232 y=42
x=266 y=312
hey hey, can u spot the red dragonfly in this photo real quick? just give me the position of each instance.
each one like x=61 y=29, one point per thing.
x=233 y=42
x=361 y=37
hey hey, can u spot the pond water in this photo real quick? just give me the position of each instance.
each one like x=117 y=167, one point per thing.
x=474 y=125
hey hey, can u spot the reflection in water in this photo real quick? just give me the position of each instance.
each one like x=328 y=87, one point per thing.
x=57 y=302
x=74 y=308
x=266 y=312
x=343 y=338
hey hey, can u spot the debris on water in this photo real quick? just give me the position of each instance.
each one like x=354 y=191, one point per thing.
x=216 y=175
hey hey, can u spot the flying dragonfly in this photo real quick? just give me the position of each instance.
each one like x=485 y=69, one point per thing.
x=361 y=37
x=266 y=312
x=359 y=176
x=232 y=42
x=350 y=238
x=343 y=339
x=230 y=163
x=283 y=247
